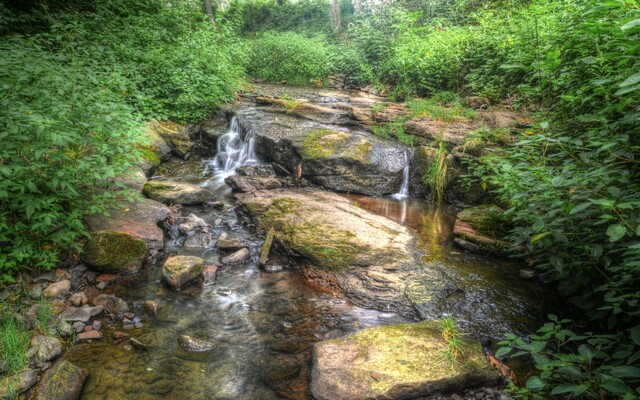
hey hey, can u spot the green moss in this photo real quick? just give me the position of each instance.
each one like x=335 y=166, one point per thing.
x=361 y=152
x=149 y=155
x=113 y=251
x=322 y=143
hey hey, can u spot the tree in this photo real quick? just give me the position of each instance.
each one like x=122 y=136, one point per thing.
x=334 y=9
x=208 y=9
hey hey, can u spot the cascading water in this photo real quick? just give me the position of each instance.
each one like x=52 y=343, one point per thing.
x=404 y=188
x=233 y=152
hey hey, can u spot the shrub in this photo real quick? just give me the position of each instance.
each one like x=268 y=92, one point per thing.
x=289 y=57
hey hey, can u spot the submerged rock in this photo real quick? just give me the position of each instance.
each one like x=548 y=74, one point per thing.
x=112 y=304
x=395 y=362
x=189 y=343
x=63 y=381
x=237 y=257
x=198 y=240
x=475 y=229
x=173 y=192
x=180 y=271
x=192 y=224
x=370 y=259
x=225 y=243
x=114 y=252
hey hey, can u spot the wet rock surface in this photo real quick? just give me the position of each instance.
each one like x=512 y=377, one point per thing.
x=174 y=192
x=109 y=251
x=189 y=343
x=64 y=381
x=395 y=362
x=475 y=230
x=181 y=271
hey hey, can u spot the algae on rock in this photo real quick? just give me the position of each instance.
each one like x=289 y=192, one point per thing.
x=114 y=251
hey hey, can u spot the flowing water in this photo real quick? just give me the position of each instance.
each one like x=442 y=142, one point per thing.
x=403 y=193
x=265 y=323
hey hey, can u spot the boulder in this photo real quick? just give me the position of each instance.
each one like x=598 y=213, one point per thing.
x=133 y=178
x=114 y=252
x=370 y=259
x=259 y=170
x=180 y=271
x=207 y=133
x=308 y=110
x=174 y=192
x=75 y=314
x=192 y=224
x=189 y=343
x=395 y=362
x=237 y=257
x=248 y=184
x=20 y=383
x=198 y=240
x=64 y=381
x=175 y=135
x=138 y=219
x=226 y=244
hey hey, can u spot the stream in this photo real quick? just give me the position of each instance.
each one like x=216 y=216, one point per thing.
x=265 y=323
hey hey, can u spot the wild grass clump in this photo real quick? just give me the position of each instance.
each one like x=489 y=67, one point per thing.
x=453 y=339
x=436 y=175
x=14 y=343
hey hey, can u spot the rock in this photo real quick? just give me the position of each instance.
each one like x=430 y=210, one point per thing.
x=266 y=248
x=189 y=343
x=75 y=314
x=111 y=304
x=248 y=184
x=209 y=274
x=47 y=277
x=154 y=148
x=88 y=334
x=44 y=349
x=20 y=383
x=342 y=160
x=192 y=224
x=474 y=230
x=78 y=299
x=527 y=274
x=237 y=257
x=434 y=130
x=395 y=362
x=114 y=252
x=207 y=134
x=305 y=109
x=274 y=268
x=370 y=259
x=63 y=328
x=138 y=219
x=476 y=102
x=93 y=311
x=64 y=381
x=279 y=371
x=260 y=170
x=175 y=135
x=198 y=240
x=57 y=290
x=102 y=285
x=138 y=345
x=152 y=306
x=227 y=244
x=174 y=192
x=78 y=326
x=133 y=178
x=180 y=271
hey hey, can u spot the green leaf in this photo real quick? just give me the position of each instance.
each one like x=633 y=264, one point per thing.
x=625 y=371
x=616 y=232
x=569 y=387
x=571 y=371
x=615 y=386
x=630 y=24
x=535 y=383
x=538 y=237
x=635 y=334
x=580 y=207
x=632 y=80
x=503 y=351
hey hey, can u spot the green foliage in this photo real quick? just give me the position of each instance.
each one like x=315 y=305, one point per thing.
x=349 y=60
x=45 y=317
x=290 y=57
x=436 y=176
x=14 y=343
x=436 y=110
x=453 y=338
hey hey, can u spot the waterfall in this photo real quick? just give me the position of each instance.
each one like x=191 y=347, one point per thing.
x=233 y=151
x=404 y=188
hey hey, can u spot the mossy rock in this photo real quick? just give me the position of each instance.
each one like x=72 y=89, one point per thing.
x=64 y=381
x=396 y=362
x=180 y=271
x=322 y=143
x=109 y=251
x=173 y=192
x=175 y=135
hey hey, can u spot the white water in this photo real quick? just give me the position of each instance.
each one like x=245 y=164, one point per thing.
x=404 y=188
x=233 y=152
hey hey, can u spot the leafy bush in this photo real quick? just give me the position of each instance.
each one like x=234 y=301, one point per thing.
x=348 y=60
x=289 y=57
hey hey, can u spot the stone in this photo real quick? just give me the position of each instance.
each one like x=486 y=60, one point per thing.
x=47 y=277
x=138 y=219
x=20 y=383
x=102 y=285
x=111 y=304
x=198 y=240
x=57 y=290
x=475 y=229
x=259 y=170
x=44 y=349
x=133 y=179
x=192 y=224
x=227 y=244
x=152 y=306
x=191 y=344
x=88 y=334
x=395 y=362
x=274 y=268
x=138 y=345
x=237 y=257
x=527 y=274
x=476 y=102
x=75 y=314
x=249 y=184
x=78 y=326
x=63 y=381
x=180 y=271
x=78 y=299
x=347 y=250
x=174 y=192
x=109 y=251
x=175 y=135
x=209 y=274
x=154 y=148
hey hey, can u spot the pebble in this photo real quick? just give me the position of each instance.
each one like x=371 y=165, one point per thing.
x=138 y=345
x=102 y=285
x=78 y=326
x=273 y=268
x=90 y=335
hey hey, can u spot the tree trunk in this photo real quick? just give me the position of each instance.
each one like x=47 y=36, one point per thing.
x=334 y=9
x=208 y=8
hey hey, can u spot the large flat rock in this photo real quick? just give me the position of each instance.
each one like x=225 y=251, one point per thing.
x=395 y=362
x=370 y=259
x=139 y=219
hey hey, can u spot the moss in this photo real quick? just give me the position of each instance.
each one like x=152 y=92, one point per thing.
x=483 y=218
x=329 y=248
x=322 y=143
x=149 y=155
x=113 y=251
x=361 y=152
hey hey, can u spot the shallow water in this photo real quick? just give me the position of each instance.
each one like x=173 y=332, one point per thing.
x=265 y=323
